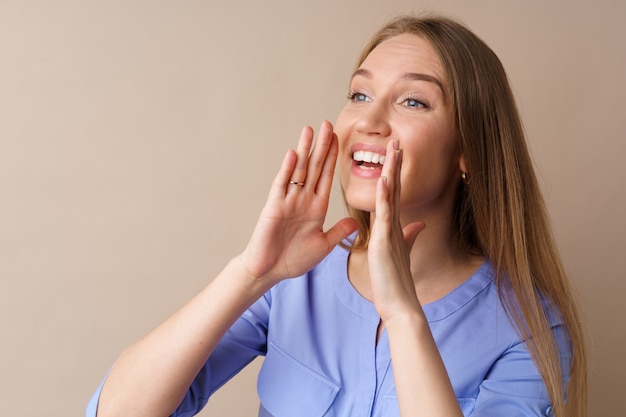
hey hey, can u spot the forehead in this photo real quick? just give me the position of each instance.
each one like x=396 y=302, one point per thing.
x=405 y=53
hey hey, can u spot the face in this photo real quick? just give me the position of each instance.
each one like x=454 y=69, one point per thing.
x=400 y=92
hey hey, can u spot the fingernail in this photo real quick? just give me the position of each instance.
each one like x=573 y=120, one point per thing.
x=396 y=144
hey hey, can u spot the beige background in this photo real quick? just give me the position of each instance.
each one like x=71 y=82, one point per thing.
x=138 y=139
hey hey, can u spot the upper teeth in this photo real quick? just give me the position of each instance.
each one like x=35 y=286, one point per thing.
x=367 y=156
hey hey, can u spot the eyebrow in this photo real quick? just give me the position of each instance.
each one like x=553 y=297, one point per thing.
x=412 y=76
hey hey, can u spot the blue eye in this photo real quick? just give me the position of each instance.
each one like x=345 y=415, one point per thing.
x=413 y=102
x=356 y=96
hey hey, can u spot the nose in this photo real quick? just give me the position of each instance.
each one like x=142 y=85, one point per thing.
x=374 y=120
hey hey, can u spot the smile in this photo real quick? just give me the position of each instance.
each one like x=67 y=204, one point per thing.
x=368 y=159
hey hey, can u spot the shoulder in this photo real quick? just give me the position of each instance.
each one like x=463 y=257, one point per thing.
x=486 y=301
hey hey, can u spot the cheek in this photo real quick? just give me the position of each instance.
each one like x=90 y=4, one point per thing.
x=341 y=123
x=429 y=163
x=343 y=168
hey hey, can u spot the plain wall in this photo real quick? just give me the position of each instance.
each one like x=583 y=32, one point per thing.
x=138 y=140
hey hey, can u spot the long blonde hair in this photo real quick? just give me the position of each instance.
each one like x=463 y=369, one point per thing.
x=501 y=213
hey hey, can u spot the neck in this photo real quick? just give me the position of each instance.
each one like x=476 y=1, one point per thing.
x=438 y=264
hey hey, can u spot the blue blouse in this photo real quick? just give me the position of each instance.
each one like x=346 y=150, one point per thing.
x=318 y=336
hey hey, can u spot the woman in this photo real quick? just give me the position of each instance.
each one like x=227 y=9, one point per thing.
x=441 y=295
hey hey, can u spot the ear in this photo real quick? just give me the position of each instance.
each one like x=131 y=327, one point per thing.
x=462 y=164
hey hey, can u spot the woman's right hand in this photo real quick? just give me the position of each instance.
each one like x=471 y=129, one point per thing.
x=289 y=239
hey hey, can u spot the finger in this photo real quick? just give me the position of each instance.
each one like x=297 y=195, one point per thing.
x=389 y=161
x=386 y=192
x=340 y=231
x=394 y=162
x=325 y=182
x=397 y=185
x=319 y=154
x=382 y=220
x=390 y=167
x=304 y=147
x=411 y=232
x=285 y=172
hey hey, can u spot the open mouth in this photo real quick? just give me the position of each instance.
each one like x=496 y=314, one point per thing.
x=368 y=159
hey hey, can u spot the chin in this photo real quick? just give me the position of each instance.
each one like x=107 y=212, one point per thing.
x=360 y=201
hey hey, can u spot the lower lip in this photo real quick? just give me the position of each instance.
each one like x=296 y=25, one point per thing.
x=363 y=172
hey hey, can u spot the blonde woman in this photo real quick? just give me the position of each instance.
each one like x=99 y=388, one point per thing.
x=441 y=295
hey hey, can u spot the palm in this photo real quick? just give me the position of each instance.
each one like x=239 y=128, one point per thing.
x=289 y=238
x=390 y=244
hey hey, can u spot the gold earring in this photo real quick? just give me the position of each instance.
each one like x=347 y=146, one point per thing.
x=465 y=177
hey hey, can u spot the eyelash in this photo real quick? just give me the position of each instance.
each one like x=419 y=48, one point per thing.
x=352 y=96
x=420 y=103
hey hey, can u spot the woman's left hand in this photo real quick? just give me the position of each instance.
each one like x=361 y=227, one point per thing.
x=421 y=381
x=390 y=245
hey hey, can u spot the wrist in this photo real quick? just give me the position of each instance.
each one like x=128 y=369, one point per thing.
x=407 y=320
x=251 y=281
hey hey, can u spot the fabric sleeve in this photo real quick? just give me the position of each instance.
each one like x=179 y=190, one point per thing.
x=514 y=387
x=92 y=406
x=245 y=340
